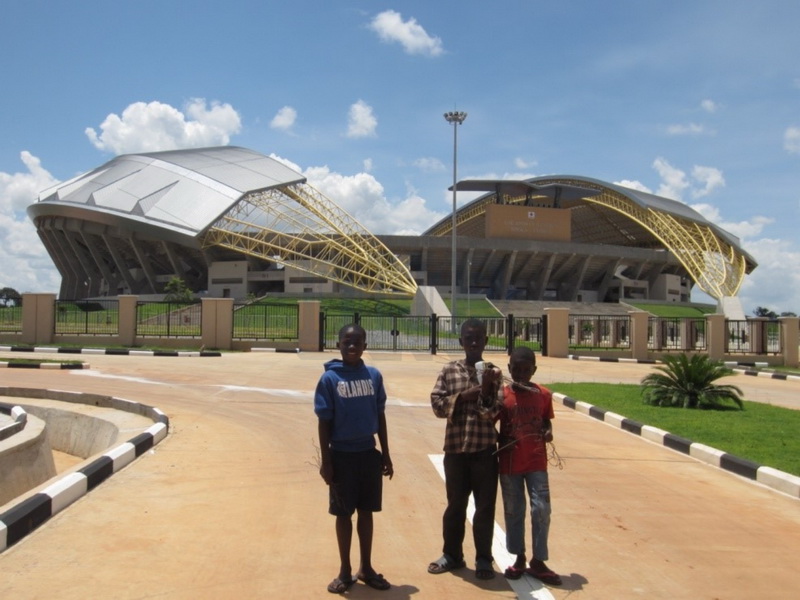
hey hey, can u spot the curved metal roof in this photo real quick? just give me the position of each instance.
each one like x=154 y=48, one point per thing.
x=206 y=199
x=183 y=190
x=607 y=213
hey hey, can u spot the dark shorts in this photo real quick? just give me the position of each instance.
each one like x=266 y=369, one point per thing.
x=358 y=482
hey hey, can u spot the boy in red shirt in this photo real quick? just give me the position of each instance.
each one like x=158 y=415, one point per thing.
x=525 y=428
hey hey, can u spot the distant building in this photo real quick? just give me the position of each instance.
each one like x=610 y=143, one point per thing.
x=233 y=222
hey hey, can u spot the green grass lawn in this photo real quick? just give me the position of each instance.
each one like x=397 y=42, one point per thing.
x=764 y=434
x=671 y=310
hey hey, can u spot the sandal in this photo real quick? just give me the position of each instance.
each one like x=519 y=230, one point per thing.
x=483 y=569
x=375 y=580
x=513 y=572
x=340 y=586
x=444 y=564
x=543 y=574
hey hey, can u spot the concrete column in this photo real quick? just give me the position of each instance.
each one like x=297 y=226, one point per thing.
x=717 y=334
x=757 y=332
x=38 y=318
x=127 y=320
x=217 y=323
x=308 y=317
x=790 y=335
x=639 y=322
x=557 y=332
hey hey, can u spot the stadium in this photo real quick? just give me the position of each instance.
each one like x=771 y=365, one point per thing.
x=231 y=222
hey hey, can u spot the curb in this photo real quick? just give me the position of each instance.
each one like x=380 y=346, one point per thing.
x=110 y=351
x=772 y=478
x=24 y=517
x=730 y=365
x=53 y=366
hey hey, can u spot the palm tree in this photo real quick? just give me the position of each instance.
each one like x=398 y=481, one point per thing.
x=688 y=383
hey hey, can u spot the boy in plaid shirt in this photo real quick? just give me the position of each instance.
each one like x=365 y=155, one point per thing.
x=469 y=404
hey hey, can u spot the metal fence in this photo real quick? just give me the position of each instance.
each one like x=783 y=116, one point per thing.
x=169 y=319
x=263 y=321
x=753 y=337
x=431 y=333
x=609 y=332
x=11 y=319
x=86 y=317
x=665 y=334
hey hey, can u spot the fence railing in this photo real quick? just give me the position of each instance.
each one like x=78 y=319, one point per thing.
x=431 y=333
x=666 y=334
x=752 y=337
x=11 y=319
x=263 y=321
x=169 y=319
x=87 y=317
x=609 y=332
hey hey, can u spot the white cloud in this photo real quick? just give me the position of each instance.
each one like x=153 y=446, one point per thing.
x=429 y=164
x=156 y=126
x=709 y=105
x=634 y=185
x=361 y=122
x=368 y=166
x=709 y=177
x=24 y=262
x=390 y=27
x=19 y=190
x=688 y=129
x=742 y=229
x=673 y=180
x=521 y=163
x=775 y=283
x=284 y=119
x=362 y=196
x=791 y=140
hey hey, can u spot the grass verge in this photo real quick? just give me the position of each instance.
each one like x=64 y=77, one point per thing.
x=761 y=433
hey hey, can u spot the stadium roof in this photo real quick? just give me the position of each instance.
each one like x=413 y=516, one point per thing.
x=607 y=213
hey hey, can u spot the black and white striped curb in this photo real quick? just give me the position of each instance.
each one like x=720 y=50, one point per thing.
x=24 y=517
x=110 y=351
x=769 y=374
x=773 y=478
x=615 y=360
x=35 y=365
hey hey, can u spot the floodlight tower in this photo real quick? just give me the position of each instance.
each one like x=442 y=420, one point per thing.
x=456 y=119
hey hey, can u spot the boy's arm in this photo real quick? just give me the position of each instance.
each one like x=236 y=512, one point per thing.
x=383 y=438
x=326 y=465
x=547 y=430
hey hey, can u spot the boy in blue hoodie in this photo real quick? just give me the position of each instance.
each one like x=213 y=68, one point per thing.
x=349 y=401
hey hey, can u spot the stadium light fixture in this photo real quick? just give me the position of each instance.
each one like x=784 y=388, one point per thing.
x=455 y=118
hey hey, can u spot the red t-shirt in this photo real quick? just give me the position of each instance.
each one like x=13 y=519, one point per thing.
x=522 y=447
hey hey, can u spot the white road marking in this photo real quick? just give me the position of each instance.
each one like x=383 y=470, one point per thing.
x=526 y=586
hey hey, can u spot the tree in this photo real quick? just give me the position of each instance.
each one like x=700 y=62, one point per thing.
x=765 y=312
x=10 y=297
x=177 y=290
x=689 y=383
x=788 y=313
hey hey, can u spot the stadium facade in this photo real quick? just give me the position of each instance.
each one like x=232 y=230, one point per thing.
x=232 y=222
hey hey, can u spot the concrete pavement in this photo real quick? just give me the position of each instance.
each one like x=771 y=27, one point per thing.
x=230 y=504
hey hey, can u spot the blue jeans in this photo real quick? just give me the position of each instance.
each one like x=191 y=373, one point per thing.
x=513 y=488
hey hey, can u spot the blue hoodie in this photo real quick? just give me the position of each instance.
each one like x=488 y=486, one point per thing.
x=353 y=397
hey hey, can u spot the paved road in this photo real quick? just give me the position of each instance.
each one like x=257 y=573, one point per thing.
x=230 y=505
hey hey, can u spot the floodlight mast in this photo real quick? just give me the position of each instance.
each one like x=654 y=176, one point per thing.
x=455 y=118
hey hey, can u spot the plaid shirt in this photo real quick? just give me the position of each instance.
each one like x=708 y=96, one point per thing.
x=468 y=428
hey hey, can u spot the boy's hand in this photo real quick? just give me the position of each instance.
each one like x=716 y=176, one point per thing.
x=547 y=434
x=388 y=468
x=326 y=471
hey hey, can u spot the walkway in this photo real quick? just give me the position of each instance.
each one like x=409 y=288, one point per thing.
x=230 y=505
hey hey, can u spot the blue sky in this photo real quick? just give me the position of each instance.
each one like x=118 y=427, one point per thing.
x=690 y=99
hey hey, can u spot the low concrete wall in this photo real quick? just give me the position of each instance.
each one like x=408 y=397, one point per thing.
x=26 y=460
x=75 y=428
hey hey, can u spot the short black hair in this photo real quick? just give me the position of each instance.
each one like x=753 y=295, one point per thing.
x=523 y=353
x=473 y=323
x=358 y=329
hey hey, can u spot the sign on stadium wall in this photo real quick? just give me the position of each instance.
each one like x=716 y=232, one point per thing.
x=528 y=222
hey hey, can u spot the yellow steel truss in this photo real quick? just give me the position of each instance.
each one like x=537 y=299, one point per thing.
x=297 y=226
x=717 y=267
